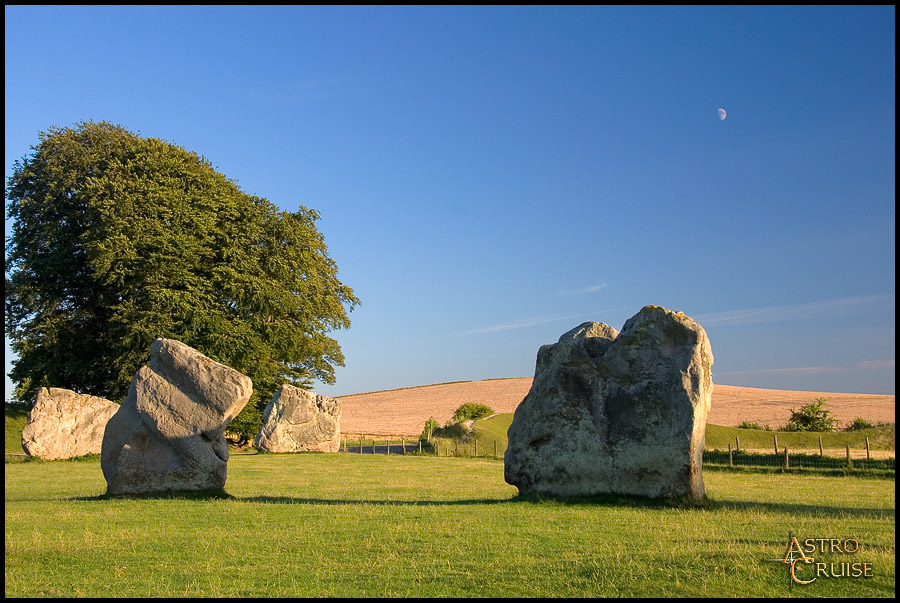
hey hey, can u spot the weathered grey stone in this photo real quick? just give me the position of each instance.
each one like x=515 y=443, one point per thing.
x=64 y=424
x=169 y=433
x=297 y=420
x=617 y=413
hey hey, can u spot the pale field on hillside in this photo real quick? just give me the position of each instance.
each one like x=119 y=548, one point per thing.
x=404 y=411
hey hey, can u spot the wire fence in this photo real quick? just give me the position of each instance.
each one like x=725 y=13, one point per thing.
x=797 y=460
x=784 y=458
x=381 y=444
x=855 y=459
x=392 y=444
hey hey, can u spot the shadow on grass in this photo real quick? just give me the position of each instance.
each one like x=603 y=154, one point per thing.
x=610 y=501
x=597 y=501
x=216 y=494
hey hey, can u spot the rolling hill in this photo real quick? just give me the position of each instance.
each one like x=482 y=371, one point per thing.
x=404 y=411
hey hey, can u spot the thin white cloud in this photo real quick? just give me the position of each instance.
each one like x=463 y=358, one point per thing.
x=591 y=289
x=819 y=309
x=538 y=320
x=812 y=370
x=521 y=324
x=876 y=364
x=801 y=370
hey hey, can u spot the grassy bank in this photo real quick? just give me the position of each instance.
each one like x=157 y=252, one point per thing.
x=15 y=417
x=348 y=525
x=718 y=437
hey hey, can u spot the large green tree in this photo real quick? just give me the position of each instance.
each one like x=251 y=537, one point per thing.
x=118 y=240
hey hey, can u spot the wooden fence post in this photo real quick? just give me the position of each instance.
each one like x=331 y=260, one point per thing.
x=730 y=457
x=776 y=443
x=420 y=446
x=476 y=446
x=737 y=443
x=821 y=450
x=787 y=462
x=849 y=462
x=388 y=446
x=360 y=443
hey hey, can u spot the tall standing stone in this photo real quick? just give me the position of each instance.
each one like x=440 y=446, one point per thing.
x=169 y=433
x=64 y=424
x=617 y=413
x=297 y=420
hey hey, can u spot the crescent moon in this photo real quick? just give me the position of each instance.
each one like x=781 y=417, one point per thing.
x=722 y=113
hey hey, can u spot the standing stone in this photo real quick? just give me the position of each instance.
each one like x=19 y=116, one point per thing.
x=169 y=433
x=617 y=413
x=297 y=420
x=65 y=425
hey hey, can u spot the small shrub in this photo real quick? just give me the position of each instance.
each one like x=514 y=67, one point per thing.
x=452 y=431
x=472 y=410
x=811 y=417
x=430 y=426
x=857 y=424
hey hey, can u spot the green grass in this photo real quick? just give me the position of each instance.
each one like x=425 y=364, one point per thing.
x=798 y=462
x=490 y=435
x=880 y=438
x=348 y=525
x=15 y=417
x=491 y=432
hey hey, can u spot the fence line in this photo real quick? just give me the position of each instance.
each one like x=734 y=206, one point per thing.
x=405 y=444
x=788 y=459
x=779 y=456
x=380 y=444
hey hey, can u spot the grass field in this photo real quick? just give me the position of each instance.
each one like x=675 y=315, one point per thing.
x=350 y=525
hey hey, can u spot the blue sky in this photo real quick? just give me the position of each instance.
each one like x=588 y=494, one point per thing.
x=490 y=177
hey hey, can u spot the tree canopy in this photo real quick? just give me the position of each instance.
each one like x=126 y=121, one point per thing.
x=118 y=240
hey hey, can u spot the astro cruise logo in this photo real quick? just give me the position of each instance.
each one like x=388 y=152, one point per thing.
x=814 y=558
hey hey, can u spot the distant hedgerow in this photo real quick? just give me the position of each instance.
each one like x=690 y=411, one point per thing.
x=857 y=424
x=754 y=425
